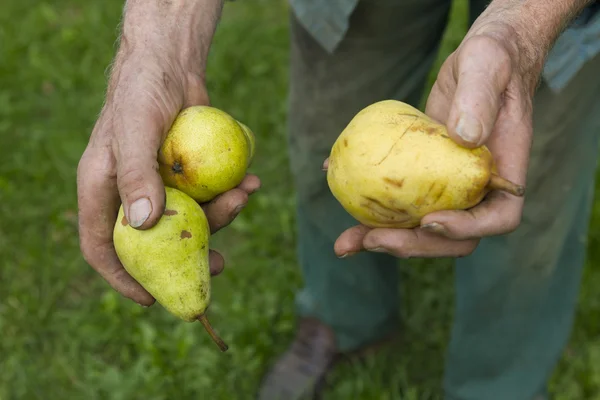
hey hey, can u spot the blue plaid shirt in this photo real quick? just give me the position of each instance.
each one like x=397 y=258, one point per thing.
x=327 y=21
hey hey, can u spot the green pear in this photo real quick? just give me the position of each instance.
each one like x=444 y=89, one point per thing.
x=171 y=259
x=206 y=152
x=251 y=140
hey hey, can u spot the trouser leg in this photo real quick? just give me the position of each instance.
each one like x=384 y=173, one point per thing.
x=517 y=293
x=387 y=53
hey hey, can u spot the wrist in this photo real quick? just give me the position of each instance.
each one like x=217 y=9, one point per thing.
x=179 y=30
x=527 y=30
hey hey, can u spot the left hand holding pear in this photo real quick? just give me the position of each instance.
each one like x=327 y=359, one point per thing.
x=205 y=153
x=170 y=260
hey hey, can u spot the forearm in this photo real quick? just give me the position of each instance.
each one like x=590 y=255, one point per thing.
x=177 y=28
x=528 y=27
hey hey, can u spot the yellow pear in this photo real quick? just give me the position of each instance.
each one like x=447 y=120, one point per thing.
x=171 y=259
x=206 y=152
x=393 y=164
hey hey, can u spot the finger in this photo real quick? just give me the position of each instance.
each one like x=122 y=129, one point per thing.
x=138 y=136
x=250 y=184
x=483 y=72
x=409 y=243
x=195 y=93
x=442 y=93
x=216 y=262
x=499 y=214
x=223 y=209
x=98 y=203
x=350 y=241
x=325 y=164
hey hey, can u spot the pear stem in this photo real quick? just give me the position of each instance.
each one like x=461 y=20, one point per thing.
x=499 y=183
x=204 y=320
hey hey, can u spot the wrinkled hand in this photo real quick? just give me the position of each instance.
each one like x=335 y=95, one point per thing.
x=146 y=92
x=484 y=96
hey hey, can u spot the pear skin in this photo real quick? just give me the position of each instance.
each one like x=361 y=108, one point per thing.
x=393 y=164
x=251 y=138
x=205 y=153
x=171 y=259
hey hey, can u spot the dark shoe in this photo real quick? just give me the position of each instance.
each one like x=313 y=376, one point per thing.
x=300 y=372
x=302 y=368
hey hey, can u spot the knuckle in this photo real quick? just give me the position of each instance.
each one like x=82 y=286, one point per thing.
x=95 y=164
x=495 y=48
x=240 y=198
x=216 y=222
x=489 y=42
x=86 y=252
x=85 y=165
x=468 y=249
x=131 y=181
x=82 y=165
x=401 y=252
x=445 y=82
x=89 y=251
x=514 y=222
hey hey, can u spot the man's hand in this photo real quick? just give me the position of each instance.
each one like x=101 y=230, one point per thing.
x=158 y=71
x=483 y=93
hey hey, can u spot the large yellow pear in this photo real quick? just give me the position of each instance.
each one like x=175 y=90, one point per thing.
x=393 y=164
x=206 y=152
x=171 y=259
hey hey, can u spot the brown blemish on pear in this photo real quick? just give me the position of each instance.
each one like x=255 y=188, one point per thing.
x=185 y=235
x=394 y=182
x=124 y=221
x=170 y=213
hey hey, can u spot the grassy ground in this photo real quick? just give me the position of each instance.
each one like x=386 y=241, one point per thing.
x=66 y=335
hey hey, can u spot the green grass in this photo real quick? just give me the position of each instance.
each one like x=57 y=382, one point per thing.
x=66 y=335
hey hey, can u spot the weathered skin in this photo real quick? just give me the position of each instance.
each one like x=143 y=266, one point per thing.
x=393 y=164
x=205 y=153
x=170 y=260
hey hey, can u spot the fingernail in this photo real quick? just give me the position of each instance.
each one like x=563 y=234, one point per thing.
x=468 y=128
x=139 y=212
x=434 y=227
x=350 y=253
x=378 y=250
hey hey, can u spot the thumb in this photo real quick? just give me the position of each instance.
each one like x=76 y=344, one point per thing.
x=483 y=72
x=140 y=185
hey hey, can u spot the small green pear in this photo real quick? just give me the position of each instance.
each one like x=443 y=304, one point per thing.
x=171 y=259
x=206 y=152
